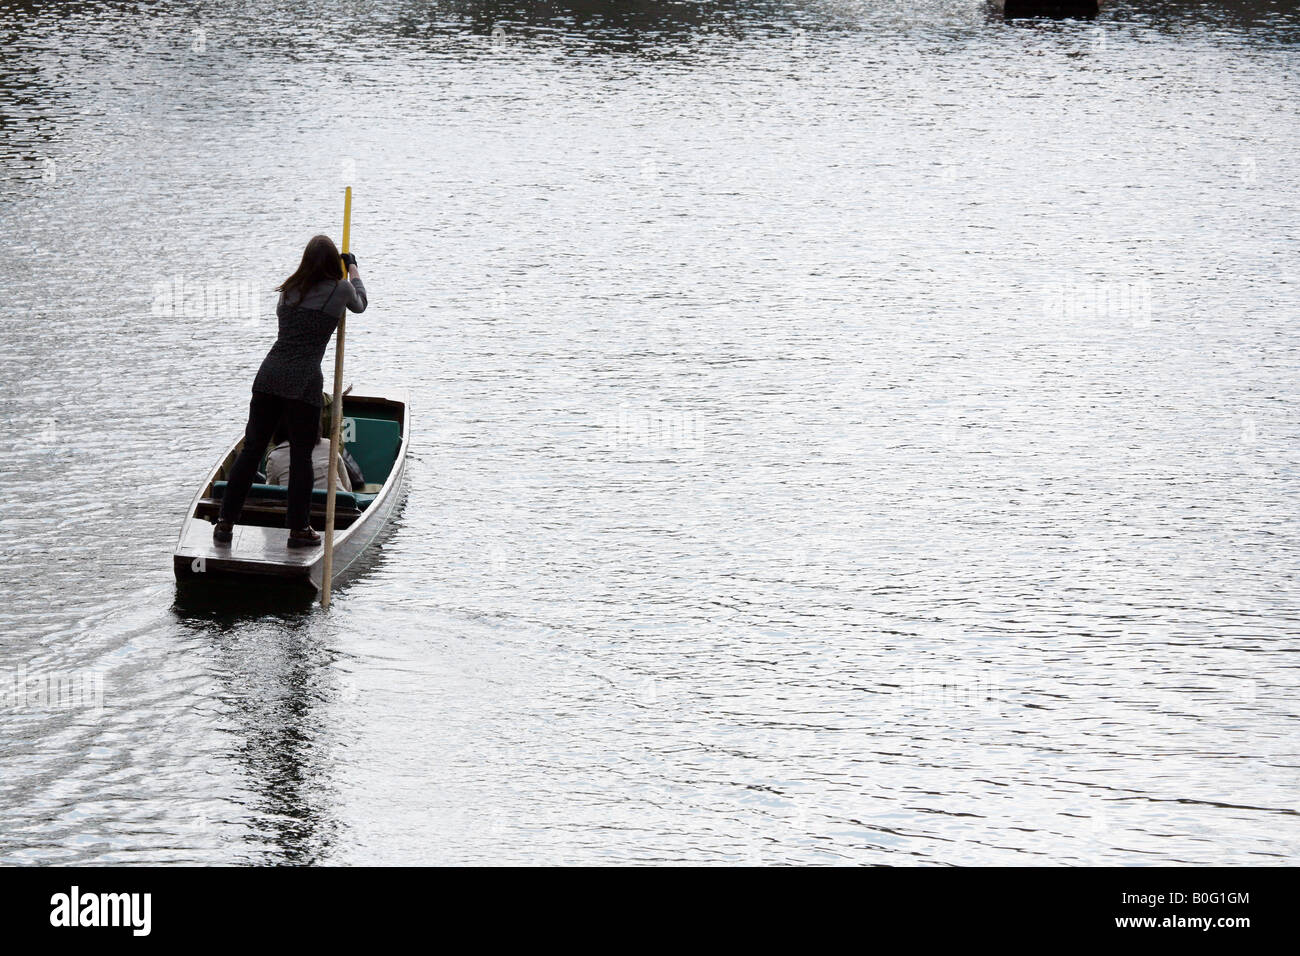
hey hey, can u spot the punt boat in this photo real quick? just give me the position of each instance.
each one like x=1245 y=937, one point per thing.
x=376 y=432
x=1057 y=9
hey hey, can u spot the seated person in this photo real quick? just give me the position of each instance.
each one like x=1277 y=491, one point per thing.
x=277 y=462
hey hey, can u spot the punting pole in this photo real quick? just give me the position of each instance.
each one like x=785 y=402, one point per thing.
x=336 y=420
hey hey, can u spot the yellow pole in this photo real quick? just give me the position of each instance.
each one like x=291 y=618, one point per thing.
x=336 y=419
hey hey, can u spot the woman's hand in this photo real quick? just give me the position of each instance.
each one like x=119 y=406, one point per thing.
x=350 y=261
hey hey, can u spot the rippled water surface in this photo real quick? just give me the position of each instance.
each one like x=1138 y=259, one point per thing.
x=843 y=432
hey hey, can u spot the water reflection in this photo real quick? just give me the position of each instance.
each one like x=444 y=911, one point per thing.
x=275 y=680
x=225 y=605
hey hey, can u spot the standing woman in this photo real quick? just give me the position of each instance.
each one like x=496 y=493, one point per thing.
x=289 y=384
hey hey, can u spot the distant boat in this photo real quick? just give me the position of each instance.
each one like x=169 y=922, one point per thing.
x=1059 y=9
x=376 y=433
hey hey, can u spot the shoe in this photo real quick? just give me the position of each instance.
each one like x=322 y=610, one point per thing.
x=222 y=532
x=303 y=538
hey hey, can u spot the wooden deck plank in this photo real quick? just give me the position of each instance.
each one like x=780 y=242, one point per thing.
x=249 y=544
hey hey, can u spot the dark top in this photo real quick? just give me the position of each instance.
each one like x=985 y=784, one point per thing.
x=292 y=368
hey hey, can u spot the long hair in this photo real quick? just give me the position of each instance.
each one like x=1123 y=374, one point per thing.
x=320 y=260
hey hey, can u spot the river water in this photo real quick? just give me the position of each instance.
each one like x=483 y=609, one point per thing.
x=843 y=433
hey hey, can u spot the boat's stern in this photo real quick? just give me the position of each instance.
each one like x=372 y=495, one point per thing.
x=254 y=552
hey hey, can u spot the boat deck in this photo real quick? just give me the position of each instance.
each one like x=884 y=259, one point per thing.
x=252 y=550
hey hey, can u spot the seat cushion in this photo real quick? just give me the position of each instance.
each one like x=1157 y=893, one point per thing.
x=374 y=445
x=342 y=499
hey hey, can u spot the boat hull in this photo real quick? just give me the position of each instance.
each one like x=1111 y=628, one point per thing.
x=1051 y=9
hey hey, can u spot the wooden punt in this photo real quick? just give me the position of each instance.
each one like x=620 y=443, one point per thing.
x=1055 y=9
x=376 y=431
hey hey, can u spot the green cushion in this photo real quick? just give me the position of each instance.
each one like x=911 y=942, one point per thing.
x=342 y=499
x=374 y=445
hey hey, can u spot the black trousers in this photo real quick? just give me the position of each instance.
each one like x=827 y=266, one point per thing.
x=302 y=421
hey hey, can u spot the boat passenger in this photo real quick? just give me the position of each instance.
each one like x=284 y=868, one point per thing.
x=289 y=383
x=277 y=462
